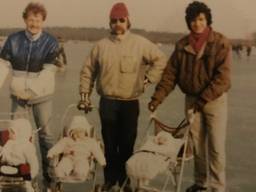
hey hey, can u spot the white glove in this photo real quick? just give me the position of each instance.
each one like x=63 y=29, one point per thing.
x=190 y=116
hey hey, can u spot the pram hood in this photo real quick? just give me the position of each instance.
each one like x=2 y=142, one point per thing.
x=170 y=147
x=79 y=122
x=22 y=129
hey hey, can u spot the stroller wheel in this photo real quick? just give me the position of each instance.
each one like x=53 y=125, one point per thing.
x=98 y=188
x=58 y=187
x=116 y=189
x=140 y=190
x=15 y=189
x=146 y=189
x=35 y=186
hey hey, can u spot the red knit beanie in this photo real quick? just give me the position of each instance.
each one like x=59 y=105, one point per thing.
x=119 y=10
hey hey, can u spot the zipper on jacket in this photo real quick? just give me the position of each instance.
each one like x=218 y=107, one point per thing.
x=29 y=54
x=27 y=64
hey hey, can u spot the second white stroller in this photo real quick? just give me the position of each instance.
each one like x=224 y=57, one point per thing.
x=164 y=151
x=76 y=152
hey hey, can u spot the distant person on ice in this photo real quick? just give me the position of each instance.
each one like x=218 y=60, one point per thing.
x=61 y=56
x=248 y=50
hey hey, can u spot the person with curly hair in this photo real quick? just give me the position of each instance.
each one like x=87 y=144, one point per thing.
x=200 y=65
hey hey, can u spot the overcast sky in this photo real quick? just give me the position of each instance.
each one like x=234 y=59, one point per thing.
x=234 y=18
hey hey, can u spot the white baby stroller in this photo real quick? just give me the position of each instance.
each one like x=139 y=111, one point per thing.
x=158 y=159
x=13 y=177
x=62 y=152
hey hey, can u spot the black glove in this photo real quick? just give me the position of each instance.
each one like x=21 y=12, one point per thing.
x=85 y=103
x=153 y=104
x=199 y=105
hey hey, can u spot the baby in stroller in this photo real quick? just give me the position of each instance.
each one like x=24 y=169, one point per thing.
x=75 y=148
x=153 y=158
x=19 y=151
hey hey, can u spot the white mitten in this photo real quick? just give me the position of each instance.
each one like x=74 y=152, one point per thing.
x=4 y=71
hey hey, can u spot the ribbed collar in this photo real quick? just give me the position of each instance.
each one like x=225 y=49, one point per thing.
x=32 y=37
x=119 y=38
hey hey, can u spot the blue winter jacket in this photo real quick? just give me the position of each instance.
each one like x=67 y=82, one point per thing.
x=27 y=55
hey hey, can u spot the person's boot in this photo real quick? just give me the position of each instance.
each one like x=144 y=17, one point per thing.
x=127 y=188
x=196 y=188
x=106 y=187
x=49 y=186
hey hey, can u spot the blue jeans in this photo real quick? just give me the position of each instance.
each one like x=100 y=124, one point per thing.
x=41 y=112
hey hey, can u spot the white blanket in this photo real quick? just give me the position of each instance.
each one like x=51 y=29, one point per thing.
x=4 y=71
x=33 y=86
x=153 y=158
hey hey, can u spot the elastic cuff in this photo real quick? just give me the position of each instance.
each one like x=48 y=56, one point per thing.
x=156 y=101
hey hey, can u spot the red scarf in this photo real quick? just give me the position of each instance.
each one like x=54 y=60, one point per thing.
x=196 y=40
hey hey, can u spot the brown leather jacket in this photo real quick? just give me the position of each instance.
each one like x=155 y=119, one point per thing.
x=205 y=75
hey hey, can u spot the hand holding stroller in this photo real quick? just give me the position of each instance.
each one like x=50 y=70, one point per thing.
x=163 y=152
x=153 y=157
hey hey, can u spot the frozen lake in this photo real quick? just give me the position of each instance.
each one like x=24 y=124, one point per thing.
x=241 y=134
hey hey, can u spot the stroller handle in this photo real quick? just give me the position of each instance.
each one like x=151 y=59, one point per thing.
x=189 y=118
x=153 y=115
x=68 y=110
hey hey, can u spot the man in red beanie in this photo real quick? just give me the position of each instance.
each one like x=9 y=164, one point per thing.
x=121 y=64
x=119 y=10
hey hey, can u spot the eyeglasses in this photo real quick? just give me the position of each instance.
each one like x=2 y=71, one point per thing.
x=114 y=21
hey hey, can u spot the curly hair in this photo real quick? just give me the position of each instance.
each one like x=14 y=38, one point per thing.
x=35 y=8
x=194 y=9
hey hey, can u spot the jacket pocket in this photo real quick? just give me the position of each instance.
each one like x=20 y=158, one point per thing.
x=128 y=64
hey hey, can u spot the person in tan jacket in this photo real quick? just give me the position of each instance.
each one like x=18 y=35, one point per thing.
x=200 y=65
x=121 y=65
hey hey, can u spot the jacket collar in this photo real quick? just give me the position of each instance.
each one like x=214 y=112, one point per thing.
x=190 y=49
x=32 y=37
x=206 y=48
x=119 y=38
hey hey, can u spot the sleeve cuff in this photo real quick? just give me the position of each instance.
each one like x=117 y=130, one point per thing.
x=201 y=102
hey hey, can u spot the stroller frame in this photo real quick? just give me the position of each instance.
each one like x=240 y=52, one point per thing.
x=93 y=164
x=9 y=181
x=176 y=169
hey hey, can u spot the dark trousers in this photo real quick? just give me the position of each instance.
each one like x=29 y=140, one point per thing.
x=119 y=120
